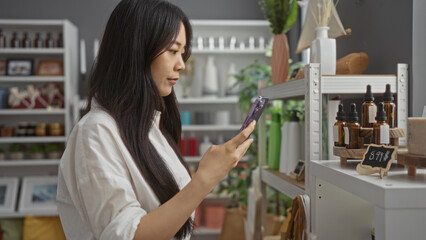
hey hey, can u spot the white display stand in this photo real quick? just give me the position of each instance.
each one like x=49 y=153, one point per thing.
x=312 y=88
x=353 y=204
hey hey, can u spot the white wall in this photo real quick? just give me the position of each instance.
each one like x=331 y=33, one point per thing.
x=419 y=57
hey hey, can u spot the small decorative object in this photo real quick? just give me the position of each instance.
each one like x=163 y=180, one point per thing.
x=49 y=43
x=8 y=194
x=323 y=51
x=232 y=88
x=54 y=150
x=55 y=129
x=55 y=95
x=282 y=14
x=2 y=67
x=353 y=63
x=50 y=68
x=210 y=80
x=37 y=151
x=40 y=130
x=19 y=67
x=16 y=151
x=299 y=171
x=38 y=193
x=26 y=41
x=187 y=77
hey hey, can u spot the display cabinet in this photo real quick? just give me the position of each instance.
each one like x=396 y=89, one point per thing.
x=312 y=89
x=65 y=56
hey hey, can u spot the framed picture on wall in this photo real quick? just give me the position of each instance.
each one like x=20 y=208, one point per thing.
x=8 y=194
x=38 y=193
x=50 y=68
x=19 y=67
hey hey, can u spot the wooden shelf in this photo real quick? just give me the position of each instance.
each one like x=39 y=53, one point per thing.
x=282 y=182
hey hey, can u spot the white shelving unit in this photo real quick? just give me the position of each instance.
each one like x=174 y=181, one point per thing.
x=312 y=88
x=11 y=117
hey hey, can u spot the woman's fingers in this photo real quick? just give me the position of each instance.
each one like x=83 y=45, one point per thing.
x=242 y=136
x=243 y=147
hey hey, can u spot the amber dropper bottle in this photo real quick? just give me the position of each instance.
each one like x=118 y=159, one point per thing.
x=369 y=109
x=352 y=126
x=381 y=128
x=338 y=131
x=389 y=107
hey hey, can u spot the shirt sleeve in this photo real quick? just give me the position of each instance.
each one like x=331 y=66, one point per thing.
x=107 y=197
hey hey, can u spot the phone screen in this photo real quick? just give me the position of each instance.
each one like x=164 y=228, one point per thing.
x=255 y=111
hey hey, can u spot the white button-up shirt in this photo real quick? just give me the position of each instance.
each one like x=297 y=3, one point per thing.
x=101 y=192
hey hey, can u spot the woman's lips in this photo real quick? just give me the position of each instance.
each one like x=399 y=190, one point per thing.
x=173 y=80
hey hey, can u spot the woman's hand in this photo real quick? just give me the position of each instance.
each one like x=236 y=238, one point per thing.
x=220 y=159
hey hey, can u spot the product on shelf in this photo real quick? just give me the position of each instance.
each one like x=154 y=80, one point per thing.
x=338 y=128
x=274 y=142
x=16 y=151
x=369 y=109
x=41 y=130
x=352 y=129
x=205 y=145
x=14 y=42
x=38 y=42
x=49 y=42
x=389 y=106
x=192 y=146
x=60 y=41
x=2 y=39
x=416 y=136
x=290 y=144
x=26 y=41
x=55 y=129
x=211 y=78
x=381 y=128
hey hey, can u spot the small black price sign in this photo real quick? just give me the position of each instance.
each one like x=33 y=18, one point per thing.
x=378 y=157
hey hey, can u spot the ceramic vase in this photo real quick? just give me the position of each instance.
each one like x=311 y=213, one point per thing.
x=210 y=81
x=323 y=51
x=279 y=59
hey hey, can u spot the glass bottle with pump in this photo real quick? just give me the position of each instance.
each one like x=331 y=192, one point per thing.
x=352 y=129
x=389 y=107
x=338 y=131
x=369 y=109
x=381 y=128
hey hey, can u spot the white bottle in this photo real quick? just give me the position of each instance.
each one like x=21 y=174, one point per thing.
x=231 y=89
x=293 y=139
x=204 y=146
x=210 y=81
x=284 y=148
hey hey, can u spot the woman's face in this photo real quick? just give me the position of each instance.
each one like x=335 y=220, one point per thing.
x=166 y=67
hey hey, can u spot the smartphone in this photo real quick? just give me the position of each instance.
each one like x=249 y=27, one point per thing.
x=255 y=111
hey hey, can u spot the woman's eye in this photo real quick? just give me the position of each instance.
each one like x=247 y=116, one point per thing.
x=173 y=51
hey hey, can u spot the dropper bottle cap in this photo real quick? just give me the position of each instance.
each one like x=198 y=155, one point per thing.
x=381 y=113
x=294 y=117
x=353 y=114
x=368 y=95
x=341 y=113
x=387 y=96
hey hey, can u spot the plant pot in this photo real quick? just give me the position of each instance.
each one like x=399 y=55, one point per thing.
x=213 y=216
x=279 y=59
x=36 y=155
x=323 y=51
x=233 y=224
x=17 y=155
x=54 y=155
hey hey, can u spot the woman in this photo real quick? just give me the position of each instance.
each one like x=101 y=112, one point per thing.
x=121 y=175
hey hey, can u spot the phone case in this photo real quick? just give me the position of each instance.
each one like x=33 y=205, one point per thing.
x=255 y=111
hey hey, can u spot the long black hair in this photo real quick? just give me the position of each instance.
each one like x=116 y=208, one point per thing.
x=137 y=32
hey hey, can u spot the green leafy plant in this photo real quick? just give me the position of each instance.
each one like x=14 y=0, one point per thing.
x=16 y=147
x=282 y=14
x=53 y=147
x=37 y=148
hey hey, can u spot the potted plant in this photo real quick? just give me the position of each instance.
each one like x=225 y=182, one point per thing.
x=54 y=150
x=2 y=157
x=37 y=151
x=282 y=14
x=16 y=151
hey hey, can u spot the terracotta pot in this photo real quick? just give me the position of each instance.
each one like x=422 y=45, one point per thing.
x=279 y=59
x=213 y=216
x=233 y=225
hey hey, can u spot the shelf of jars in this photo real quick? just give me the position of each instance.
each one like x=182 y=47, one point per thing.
x=32 y=139
x=32 y=111
x=30 y=79
x=29 y=162
x=36 y=51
